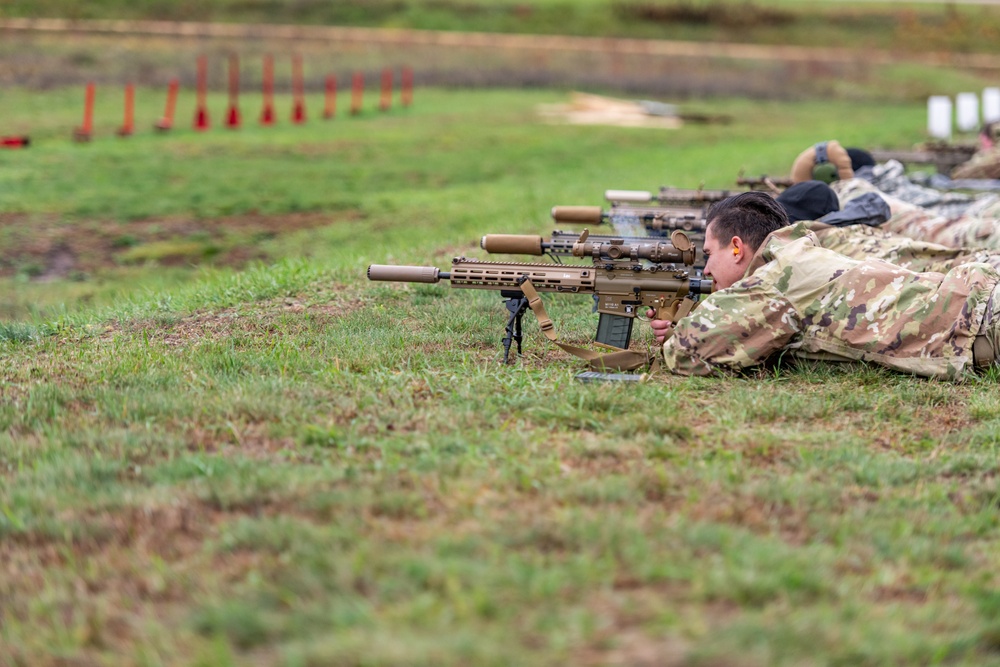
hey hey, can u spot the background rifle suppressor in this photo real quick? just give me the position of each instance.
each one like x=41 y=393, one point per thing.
x=670 y=196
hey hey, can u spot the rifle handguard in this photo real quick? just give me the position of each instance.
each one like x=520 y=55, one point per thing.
x=404 y=274
x=593 y=215
x=515 y=244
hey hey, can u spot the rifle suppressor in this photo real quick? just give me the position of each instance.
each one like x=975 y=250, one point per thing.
x=405 y=274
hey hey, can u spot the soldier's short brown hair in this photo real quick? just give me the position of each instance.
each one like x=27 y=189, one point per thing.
x=750 y=215
x=991 y=131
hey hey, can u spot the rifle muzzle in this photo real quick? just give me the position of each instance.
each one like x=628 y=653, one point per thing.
x=404 y=274
x=593 y=215
x=515 y=244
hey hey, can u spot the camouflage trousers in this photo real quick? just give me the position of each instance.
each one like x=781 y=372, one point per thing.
x=977 y=227
x=990 y=330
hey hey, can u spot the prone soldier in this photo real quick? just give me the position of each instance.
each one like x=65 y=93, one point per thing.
x=812 y=206
x=984 y=163
x=975 y=227
x=779 y=292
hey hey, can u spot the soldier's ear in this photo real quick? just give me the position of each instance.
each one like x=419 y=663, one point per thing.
x=739 y=248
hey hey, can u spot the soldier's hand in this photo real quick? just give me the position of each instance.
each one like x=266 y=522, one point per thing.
x=661 y=328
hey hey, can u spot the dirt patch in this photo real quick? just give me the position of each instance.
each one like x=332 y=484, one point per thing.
x=59 y=262
x=760 y=516
x=45 y=249
x=624 y=616
x=101 y=580
x=270 y=317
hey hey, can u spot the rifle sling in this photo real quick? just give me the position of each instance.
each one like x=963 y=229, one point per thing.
x=622 y=360
x=682 y=308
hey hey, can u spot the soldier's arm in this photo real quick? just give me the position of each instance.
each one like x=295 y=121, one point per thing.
x=733 y=329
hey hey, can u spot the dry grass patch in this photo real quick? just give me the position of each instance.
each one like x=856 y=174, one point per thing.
x=46 y=248
x=746 y=510
x=123 y=572
x=282 y=316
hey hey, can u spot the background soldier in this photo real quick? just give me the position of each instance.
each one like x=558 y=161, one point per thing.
x=985 y=163
x=812 y=205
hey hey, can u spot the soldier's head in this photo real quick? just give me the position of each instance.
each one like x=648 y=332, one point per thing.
x=860 y=158
x=825 y=161
x=989 y=135
x=737 y=226
x=808 y=200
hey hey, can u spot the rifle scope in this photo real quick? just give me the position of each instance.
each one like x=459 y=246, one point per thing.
x=679 y=250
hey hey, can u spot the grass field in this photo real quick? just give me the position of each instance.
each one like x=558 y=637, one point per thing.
x=252 y=455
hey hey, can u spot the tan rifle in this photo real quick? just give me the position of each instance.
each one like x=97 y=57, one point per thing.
x=943 y=155
x=623 y=289
x=669 y=196
x=596 y=247
x=656 y=220
x=564 y=243
x=774 y=186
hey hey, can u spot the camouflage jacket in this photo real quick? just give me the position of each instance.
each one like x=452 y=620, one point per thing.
x=975 y=228
x=804 y=300
x=984 y=164
x=864 y=242
x=890 y=178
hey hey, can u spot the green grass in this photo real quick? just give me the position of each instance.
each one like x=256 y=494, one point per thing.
x=286 y=464
x=459 y=163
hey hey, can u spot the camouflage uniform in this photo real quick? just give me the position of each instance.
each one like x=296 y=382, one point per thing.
x=975 y=227
x=804 y=300
x=983 y=164
x=864 y=242
x=889 y=178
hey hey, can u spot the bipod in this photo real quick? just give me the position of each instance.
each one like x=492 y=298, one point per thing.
x=516 y=304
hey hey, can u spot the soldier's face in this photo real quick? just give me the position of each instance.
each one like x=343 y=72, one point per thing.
x=725 y=261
